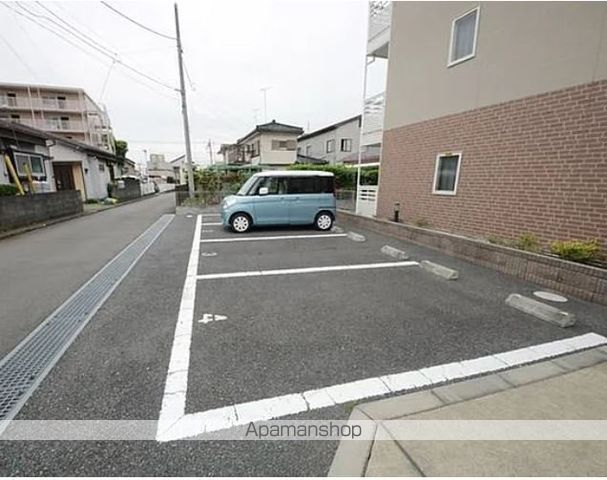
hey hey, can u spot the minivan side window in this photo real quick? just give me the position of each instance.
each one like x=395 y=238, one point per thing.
x=275 y=185
x=310 y=185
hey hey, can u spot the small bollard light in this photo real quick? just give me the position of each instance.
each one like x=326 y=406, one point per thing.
x=396 y=211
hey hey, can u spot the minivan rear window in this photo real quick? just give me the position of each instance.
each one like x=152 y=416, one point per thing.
x=310 y=185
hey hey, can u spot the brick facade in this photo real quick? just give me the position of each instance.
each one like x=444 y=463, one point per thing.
x=535 y=165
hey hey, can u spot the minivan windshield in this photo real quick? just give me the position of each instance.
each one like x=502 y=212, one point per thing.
x=244 y=190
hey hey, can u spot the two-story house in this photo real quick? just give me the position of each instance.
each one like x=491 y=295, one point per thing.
x=333 y=143
x=271 y=145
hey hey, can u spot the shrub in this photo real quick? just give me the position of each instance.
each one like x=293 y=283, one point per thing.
x=528 y=242
x=8 y=190
x=345 y=177
x=576 y=250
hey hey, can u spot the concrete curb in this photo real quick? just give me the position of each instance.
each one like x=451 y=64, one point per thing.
x=356 y=237
x=440 y=270
x=541 y=310
x=352 y=456
x=394 y=252
x=587 y=282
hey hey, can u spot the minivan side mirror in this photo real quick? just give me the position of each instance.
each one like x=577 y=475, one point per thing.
x=263 y=191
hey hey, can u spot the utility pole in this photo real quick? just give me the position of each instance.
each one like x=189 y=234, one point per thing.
x=265 y=103
x=211 y=151
x=184 y=109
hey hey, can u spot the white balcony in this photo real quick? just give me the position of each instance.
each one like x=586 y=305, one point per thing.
x=47 y=104
x=373 y=120
x=378 y=37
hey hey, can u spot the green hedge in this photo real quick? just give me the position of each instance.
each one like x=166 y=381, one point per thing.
x=345 y=177
x=8 y=190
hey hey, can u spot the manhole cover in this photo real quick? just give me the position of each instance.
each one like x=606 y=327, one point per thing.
x=551 y=297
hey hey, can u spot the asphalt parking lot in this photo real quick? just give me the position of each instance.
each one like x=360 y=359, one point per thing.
x=209 y=321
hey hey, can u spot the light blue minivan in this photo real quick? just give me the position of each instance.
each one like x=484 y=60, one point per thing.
x=296 y=197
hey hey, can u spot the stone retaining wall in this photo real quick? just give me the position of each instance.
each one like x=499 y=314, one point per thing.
x=18 y=211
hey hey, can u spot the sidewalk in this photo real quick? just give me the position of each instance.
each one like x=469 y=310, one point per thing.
x=571 y=387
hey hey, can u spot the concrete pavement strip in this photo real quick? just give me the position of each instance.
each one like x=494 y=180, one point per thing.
x=570 y=387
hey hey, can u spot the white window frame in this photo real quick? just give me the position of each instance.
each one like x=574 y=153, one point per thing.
x=459 y=165
x=29 y=156
x=331 y=142
x=451 y=63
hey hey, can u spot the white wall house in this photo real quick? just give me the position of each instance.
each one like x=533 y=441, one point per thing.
x=271 y=145
x=56 y=163
x=334 y=143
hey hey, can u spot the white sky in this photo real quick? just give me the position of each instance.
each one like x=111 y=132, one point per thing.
x=310 y=53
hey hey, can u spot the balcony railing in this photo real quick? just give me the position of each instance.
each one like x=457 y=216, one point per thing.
x=50 y=104
x=380 y=19
x=373 y=119
x=54 y=125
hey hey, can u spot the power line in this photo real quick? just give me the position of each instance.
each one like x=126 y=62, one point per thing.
x=10 y=47
x=80 y=32
x=75 y=45
x=140 y=25
x=104 y=51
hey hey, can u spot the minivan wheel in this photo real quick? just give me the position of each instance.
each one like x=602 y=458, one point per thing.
x=323 y=221
x=240 y=223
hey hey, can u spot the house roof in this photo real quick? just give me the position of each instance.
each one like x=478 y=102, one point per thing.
x=15 y=127
x=366 y=157
x=273 y=127
x=44 y=135
x=83 y=146
x=307 y=159
x=328 y=128
x=178 y=159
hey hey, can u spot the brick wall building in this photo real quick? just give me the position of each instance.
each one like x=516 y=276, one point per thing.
x=508 y=139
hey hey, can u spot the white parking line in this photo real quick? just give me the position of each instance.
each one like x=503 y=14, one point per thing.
x=274 y=237
x=210 y=214
x=175 y=389
x=222 y=418
x=211 y=224
x=292 y=271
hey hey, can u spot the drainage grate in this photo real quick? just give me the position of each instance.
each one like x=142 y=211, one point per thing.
x=24 y=368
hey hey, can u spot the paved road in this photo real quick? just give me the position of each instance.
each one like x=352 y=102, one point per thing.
x=40 y=269
x=283 y=335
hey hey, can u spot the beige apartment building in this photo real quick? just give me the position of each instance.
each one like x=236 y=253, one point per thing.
x=495 y=117
x=68 y=112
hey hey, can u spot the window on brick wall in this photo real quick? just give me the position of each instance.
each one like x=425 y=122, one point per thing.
x=446 y=173
x=464 y=31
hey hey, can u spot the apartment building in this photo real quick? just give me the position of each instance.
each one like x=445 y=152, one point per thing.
x=68 y=112
x=333 y=143
x=495 y=118
x=271 y=145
